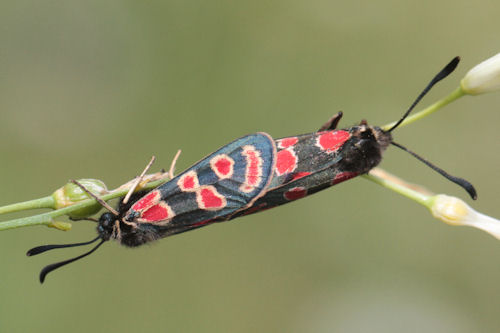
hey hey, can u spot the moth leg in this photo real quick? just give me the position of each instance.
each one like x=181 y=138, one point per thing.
x=143 y=179
x=172 y=165
x=138 y=180
x=116 y=231
x=332 y=123
x=83 y=219
x=99 y=200
x=132 y=224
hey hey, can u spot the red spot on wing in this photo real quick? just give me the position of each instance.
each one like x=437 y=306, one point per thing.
x=208 y=198
x=222 y=165
x=246 y=188
x=295 y=193
x=343 y=176
x=332 y=140
x=157 y=213
x=188 y=182
x=202 y=223
x=147 y=201
x=286 y=161
x=253 y=174
x=253 y=171
x=299 y=175
x=287 y=142
x=255 y=209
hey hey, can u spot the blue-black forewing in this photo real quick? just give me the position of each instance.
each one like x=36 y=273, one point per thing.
x=216 y=187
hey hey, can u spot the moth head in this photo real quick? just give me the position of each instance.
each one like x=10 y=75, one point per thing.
x=106 y=225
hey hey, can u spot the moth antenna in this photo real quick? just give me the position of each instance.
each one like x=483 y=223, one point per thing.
x=459 y=181
x=447 y=70
x=138 y=180
x=99 y=200
x=43 y=248
x=47 y=269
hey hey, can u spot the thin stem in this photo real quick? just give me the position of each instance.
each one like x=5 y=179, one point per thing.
x=397 y=185
x=456 y=94
x=46 y=202
x=47 y=218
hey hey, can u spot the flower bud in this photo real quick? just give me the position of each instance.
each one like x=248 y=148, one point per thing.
x=63 y=226
x=483 y=78
x=454 y=211
x=71 y=194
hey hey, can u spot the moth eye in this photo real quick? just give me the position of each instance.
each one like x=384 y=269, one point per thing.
x=367 y=133
x=107 y=220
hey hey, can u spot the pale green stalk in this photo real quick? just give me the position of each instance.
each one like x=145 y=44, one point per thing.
x=400 y=188
x=456 y=94
x=46 y=202
x=48 y=218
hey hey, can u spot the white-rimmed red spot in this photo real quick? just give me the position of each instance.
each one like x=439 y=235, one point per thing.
x=158 y=213
x=286 y=161
x=332 y=140
x=147 y=201
x=343 y=176
x=295 y=193
x=208 y=198
x=287 y=142
x=188 y=182
x=246 y=188
x=222 y=165
x=253 y=170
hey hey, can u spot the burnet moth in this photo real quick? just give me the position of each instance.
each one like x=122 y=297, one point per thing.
x=248 y=175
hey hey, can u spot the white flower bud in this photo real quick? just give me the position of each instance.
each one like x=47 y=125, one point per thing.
x=454 y=211
x=483 y=78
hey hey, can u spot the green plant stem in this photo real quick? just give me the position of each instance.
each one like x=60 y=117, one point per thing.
x=456 y=94
x=47 y=218
x=421 y=198
x=45 y=202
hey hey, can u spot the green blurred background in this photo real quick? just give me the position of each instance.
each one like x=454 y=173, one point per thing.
x=94 y=88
